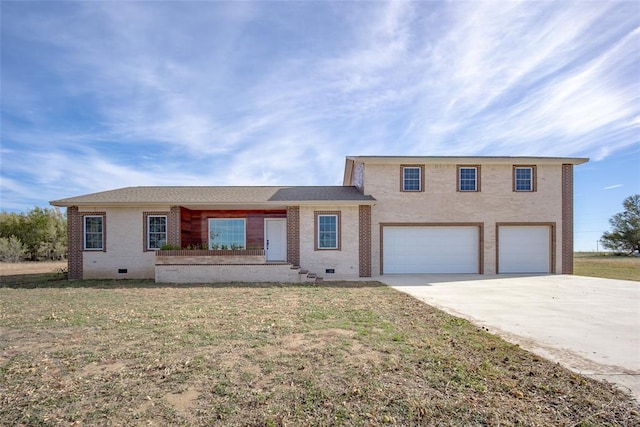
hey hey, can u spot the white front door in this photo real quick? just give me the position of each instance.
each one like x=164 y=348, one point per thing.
x=275 y=239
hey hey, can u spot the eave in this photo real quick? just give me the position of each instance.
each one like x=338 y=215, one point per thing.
x=467 y=160
x=217 y=206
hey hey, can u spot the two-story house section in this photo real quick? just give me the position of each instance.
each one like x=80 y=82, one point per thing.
x=482 y=215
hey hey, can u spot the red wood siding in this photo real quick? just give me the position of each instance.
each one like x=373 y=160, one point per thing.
x=195 y=225
x=185 y=227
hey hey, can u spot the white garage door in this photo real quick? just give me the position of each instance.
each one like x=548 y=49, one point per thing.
x=524 y=249
x=430 y=249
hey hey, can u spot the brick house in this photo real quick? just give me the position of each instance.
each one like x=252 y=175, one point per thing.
x=393 y=214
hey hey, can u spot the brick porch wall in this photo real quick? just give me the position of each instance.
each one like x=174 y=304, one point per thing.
x=173 y=237
x=365 y=240
x=293 y=235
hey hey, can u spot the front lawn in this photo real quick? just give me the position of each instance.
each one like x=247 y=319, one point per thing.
x=133 y=353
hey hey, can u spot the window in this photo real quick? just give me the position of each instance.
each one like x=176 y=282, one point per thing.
x=327 y=230
x=524 y=178
x=412 y=177
x=227 y=233
x=156 y=231
x=468 y=178
x=94 y=232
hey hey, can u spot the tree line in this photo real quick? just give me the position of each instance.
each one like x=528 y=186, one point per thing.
x=38 y=235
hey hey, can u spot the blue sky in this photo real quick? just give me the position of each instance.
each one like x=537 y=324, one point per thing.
x=100 y=95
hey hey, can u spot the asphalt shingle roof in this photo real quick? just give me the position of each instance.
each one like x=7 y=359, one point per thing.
x=216 y=195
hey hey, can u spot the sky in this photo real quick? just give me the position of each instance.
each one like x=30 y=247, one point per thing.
x=97 y=95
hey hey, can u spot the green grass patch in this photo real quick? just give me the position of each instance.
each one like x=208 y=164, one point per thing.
x=608 y=266
x=135 y=353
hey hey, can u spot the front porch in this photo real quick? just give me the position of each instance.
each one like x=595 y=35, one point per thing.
x=262 y=250
x=253 y=232
x=217 y=266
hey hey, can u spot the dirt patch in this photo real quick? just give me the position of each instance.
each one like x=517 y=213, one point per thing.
x=184 y=401
x=312 y=340
x=33 y=274
x=101 y=368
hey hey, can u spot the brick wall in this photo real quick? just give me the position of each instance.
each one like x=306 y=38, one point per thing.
x=567 y=219
x=440 y=202
x=365 y=240
x=293 y=235
x=74 y=242
x=345 y=261
x=173 y=226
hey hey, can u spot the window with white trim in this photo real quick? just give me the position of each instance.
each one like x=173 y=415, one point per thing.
x=227 y=233
x=468 y=178
x=411 y=178
x=523 y=178
x=156 y=231
x=327 y=229
x=93 y=232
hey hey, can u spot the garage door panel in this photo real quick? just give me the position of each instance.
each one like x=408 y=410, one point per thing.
x=430 y=249
x=524 y=249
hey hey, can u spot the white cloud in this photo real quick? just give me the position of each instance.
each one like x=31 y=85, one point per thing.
x=555 y=104
x=246 y=93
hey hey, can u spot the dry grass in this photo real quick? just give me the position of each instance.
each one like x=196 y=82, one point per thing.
x=607 y=266
x=23 y=268
x=133 y=353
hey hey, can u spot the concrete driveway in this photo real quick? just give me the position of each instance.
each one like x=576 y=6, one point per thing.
x=589 y=325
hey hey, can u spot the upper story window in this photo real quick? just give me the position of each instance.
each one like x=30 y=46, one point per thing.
x=156 y=231
x=524 y=178
x=412 y=177
x=327 y=234
x=468 y=178
x=93 y=232
x=227 y=233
